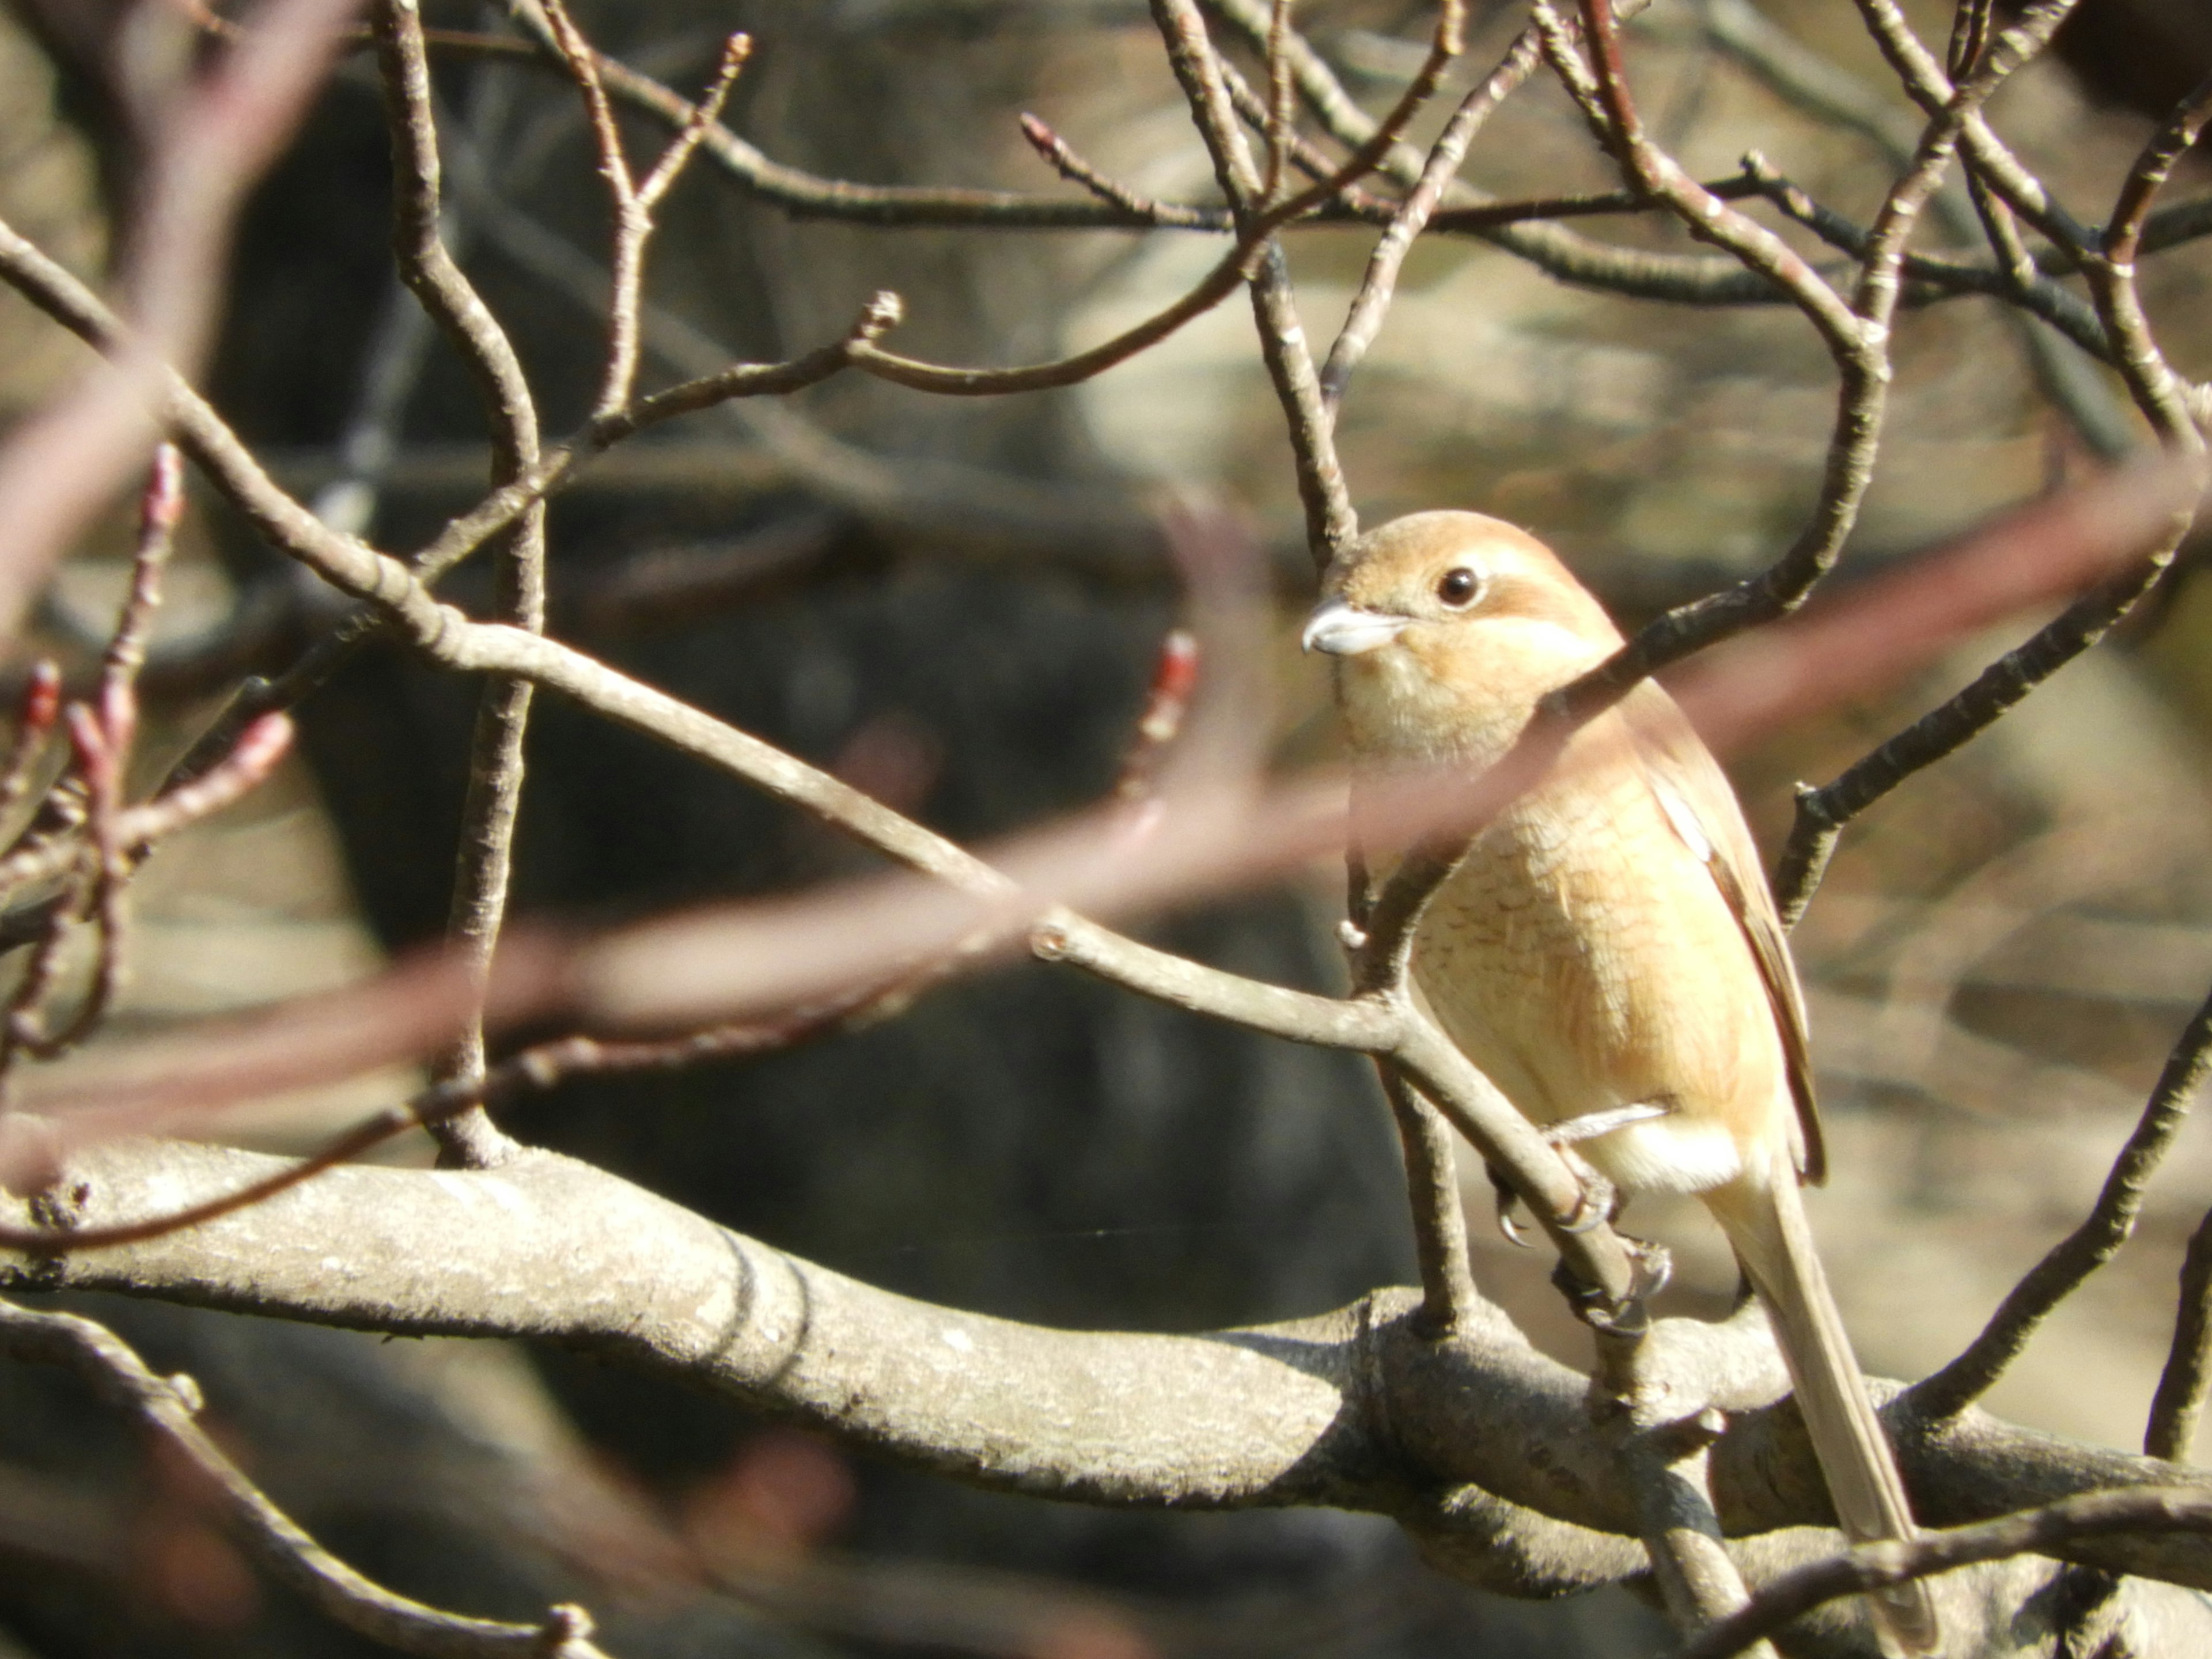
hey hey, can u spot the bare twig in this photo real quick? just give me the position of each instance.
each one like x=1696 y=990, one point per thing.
x=1282 y=103
x=1926 y=83
x=102 y=735
x=1331 y=524
x=2044 y=298
x=1072 y=166
x=1823 y=812
x=2178 y=1406
x=634 y=200
x=2175 y=409
x=36 y=710
x=1372 y=300
x=1871 y=1566
x=167 y=1407
x=247 y=764
x=2108 y=1225
x=1859 y=343
x=1821 y=88
x=1449 y=1296
x=484 y=858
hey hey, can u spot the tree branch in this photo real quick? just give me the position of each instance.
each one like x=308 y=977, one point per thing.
x=1359 y=1409
x=2089 y=1246
x=166 y=1407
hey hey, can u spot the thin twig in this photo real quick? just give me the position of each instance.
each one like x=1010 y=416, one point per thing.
x=2174 y=408
x=247 y=764
x=1064 y=160
x=2178 y=1406
x=1927 y=85
x=534 y=1071
x=1371 y=302
x=634 y=200
x=1282 y=106
x=2108 y=1225
x=1858 y=341
x=36 y=711
x=1449 y=1296
x=1874 y=1566
x=102 y=736
x=2044 y=298
x=1650 y=169
x=705 y=114
x=1331 y=524
x=166 y=1408
x=1823 y=812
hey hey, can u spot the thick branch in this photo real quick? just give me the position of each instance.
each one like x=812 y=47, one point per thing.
x=1357 y=1409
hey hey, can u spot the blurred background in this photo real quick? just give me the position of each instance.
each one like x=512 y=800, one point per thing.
x=955 y=603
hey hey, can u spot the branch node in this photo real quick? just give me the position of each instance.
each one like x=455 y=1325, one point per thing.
x=885 y=311
x=566 y=1629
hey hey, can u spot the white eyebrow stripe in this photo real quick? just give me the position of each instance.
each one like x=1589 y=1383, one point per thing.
x=1685 y=820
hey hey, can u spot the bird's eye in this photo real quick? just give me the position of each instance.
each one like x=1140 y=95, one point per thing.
x=1458 y=586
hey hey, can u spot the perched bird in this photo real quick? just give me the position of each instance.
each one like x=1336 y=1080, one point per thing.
x=1607 y=951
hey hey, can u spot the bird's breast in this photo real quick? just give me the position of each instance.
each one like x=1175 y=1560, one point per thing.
x=1584 y=957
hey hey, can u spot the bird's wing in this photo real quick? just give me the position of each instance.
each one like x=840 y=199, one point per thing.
x=1697 y=801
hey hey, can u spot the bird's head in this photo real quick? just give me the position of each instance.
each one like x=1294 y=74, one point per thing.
x=1447 y=628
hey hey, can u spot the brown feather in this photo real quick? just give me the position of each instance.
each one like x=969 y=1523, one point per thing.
x=1675 y=755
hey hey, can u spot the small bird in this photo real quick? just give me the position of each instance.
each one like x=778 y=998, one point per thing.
x=1607 y=951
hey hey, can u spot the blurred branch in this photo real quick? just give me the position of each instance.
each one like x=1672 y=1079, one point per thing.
x=165 y=1409
x=246 y=763
x=213 y=130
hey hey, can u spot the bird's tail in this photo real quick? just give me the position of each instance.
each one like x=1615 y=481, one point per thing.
x=1765 y=1223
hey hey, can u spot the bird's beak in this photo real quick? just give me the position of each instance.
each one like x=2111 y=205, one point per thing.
x=1343 y=629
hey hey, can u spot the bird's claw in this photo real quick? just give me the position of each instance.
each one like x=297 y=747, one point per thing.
x=1508 y=1202
x=1598 y=1201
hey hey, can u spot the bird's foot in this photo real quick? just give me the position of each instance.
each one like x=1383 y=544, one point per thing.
x=1632 y=1315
